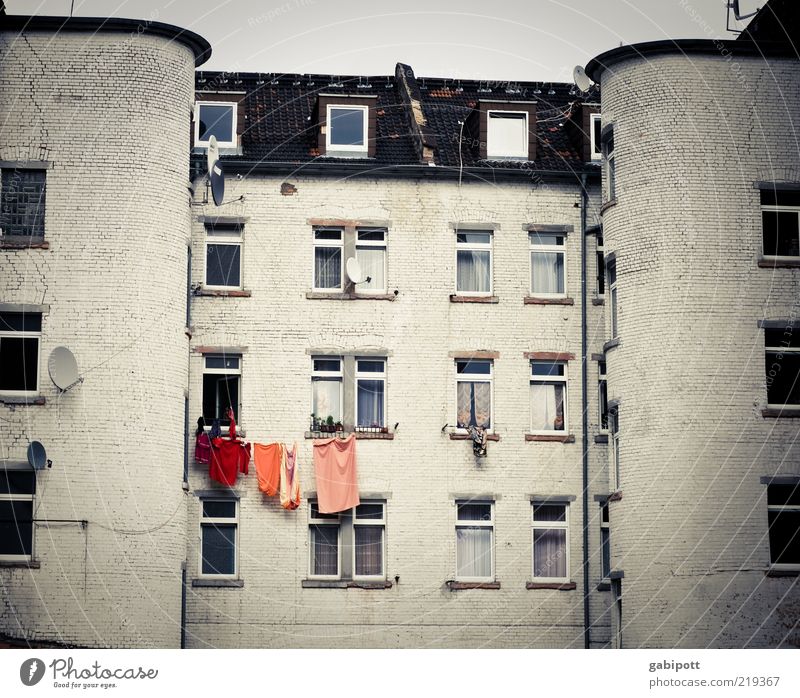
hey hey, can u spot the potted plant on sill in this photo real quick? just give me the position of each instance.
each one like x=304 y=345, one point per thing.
x=329 y=424
x=338 y=426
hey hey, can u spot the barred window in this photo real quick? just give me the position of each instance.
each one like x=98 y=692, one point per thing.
x=22 y=198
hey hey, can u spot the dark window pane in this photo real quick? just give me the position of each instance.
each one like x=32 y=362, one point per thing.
x=606 y=550
x=216 y=120
x=611 y=272
x=604 y=513
x=219 y=549
x=328 y=234
x=327 y=365
x=596 y=127
x=784 y=537
x=223 y=265
x=219 y=393
x=325 y=550
x=547 y=368
x=476 y=367
x=218 y=509
x=22 y=202
x=781 y=233
x=783 y=338
x=370 y=403
x=369 y=511
x=16 y=527
x=474 y=238
x=369 y=550
x=372 y=235
x=601 y=279
x=773 y=197
x=20 y=322
x=603 y=404
x=231 y=362
x=550 y=552
x=371 y=366
x=316 y=514
x=347 y=126
x=474 y=512
x=784 y=494
x=783 y=378
x=549 y=512
x=544 y=239
x=19 y=363
x=17 y=482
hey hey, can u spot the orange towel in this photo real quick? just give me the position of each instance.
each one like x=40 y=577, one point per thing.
x=337 y=479
x=290 y=479
x=269 y=460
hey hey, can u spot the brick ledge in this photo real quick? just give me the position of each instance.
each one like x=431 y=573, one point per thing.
x=792 y=412
x=463 y=586
x=560 y=586
x=537 y=300
x=558 y=438
x=454 y=298
x=467 y=437
x=24 y=244
x=222 y=293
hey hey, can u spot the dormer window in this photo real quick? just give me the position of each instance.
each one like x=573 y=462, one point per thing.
x=347 y=128
x=215 y=119
x=508 y=134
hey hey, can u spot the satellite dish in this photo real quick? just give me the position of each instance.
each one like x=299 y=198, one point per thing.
x=212 y=154
x=581 y=78
x=217 y=182
x=63 y=368
x=354 y=272
x=37 y=456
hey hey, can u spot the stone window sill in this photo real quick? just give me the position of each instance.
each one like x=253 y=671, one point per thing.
x=466 y=437
x=615 y=496
x=222 y=293
x=22 y=399
x=601 y=438
x=535 y=300
x=219 y=583
x=790 y=412
x=779 y=262
x=20 y=564
x=559 y=586
x=8 y=243
x=604 y=586
x=607 y=205
x=339 y=296
x=344 y=584
x=464 y=586
x=366 y=435
x=598 y=301
x=473 y=299
x=558 y=438
x=610 y=344
x=782 y=572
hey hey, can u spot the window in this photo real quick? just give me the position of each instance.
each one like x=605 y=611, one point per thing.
x=547 y=264
x=783 y=511
x=222 y=376
x=370 y=393
x=473 y=393
x=22 y=200
x=780 y=213
x=474 y=544
x=611 y=274
x=595 y=125
x=602 y=394
x=20 y=335
x=610 y=166
x=326 y=388
x=550 y=541
x=348 y=545
x=548 y=396
x=219 y=538
x=328 y=259
x=224 y=256
x=216 y=119
x=17 y=489
x=507 y=134
x=473 y=263
x=347 y=128
x=601 y=266
x=613 y=425
x=371 y=256
x=605 y=542
x=782 y=352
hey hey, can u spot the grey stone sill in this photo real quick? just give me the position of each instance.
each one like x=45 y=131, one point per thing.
x=457 y=436
x=777 y=572
x=779 y=262
x=344 y=584
x=789 y=411
x=615 y=496
x=601 y=438
x=456 y=298
x=607 y=205
x=453 y=585
x=23 y=243
x=223 y=292
x=610 y=344
x=219 y=583
x=604 y=586
x=339 y=296
x=559 y=586
x=555 y=438
x=20 y=564
x=599 y=300
x=22 y=399
x=537 y=300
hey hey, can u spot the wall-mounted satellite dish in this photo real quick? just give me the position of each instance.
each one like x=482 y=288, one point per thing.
x=37 y=456
x=354 y=272
x=212 y=154
x=581 y=78
x=217 y=183
x=63 y=368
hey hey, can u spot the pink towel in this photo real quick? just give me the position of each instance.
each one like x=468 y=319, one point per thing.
x=337 y=479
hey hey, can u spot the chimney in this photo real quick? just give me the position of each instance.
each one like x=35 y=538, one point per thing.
x=424 y=138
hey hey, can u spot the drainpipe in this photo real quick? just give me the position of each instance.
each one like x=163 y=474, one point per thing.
x=183 y=606
x=585 y=416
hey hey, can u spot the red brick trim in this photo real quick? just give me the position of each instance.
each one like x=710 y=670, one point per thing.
x=473 y=299
x=462 y=586
x=222 y=293
x=561 y=586
x=534 y=300
x=466 y=437
x=23 y=244
x=607 y=205
x=615 y=496
x=557 y=438
x=479 y=354
x=549 y=355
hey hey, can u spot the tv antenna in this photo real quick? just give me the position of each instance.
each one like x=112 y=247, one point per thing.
x=737 y=14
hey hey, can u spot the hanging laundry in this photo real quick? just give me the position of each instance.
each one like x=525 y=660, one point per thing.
x=335 y=469
x=202 y=444
x=229 y=457
x=216 y=430
x=269 y=460
x=290 y=479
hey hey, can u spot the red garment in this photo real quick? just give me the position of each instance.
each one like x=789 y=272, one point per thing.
x=202 y=448
x=229 y=457
x=337 y=479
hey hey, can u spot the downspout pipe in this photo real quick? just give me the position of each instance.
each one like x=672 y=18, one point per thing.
x=585 y=418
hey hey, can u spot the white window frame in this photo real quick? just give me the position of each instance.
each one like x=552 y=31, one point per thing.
x=222 y=144
x=224 y=235
x=328 y=244
x=614 y=443
x=367 y=375
x=27 y=334
x=476 y=246
x=550 y=379
x=463 y=523
x=328 y=376
x=334 y=520
x=601 y=263
x=772 y=350
x=22 y=498
x=602 y=379
x=373 y=244
x=523 y=152
x=476 y=378
x=776 y=208
x=329 y=147
x=609 y=166
x=221 y=520
x=595 y=147
x=561 y=525
x=366 y=523
x=560 y=249
x=613 y=296
x=605 y=529
x=226 y=372
x=782 y=508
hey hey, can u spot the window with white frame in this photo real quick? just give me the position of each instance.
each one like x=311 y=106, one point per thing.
x=22 y=203
x=328 y=259
x=507 y=134
x=602 y=394
x=369 y=527
x=370 y=381
x=222 y=375
x=324 y=543
x=216 y=119
x=17 y=491
x=780 y=219
x=783 y=511
x=371 y=256
x=346 y=128
x=782 y=363
x=224 y=256
x=219 y=538
x=474 y=393
x=611 y=277
x=474 y=541
x=610 y=168
x=613 y=427
x=605 y=542
x=601 y=266
x=547 y=264
x=548 y=396
x=550 y=524
x=595 y=126
x=474 y=263
x=326 y=388
x=20 y=340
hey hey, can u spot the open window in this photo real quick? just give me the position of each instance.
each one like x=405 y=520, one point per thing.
x=222 y=375
x=20 y=340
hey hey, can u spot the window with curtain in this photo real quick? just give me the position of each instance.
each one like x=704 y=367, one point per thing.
x=371 y=256
x=550 y=541
x=548 y=396
x=369 y=525
x=547 y=265
x=507 y=134
x=324 y=535
x=219 y=524
x=224 y=256
x=328 y=259
x=370 y=393
x=473 y=393
x=326 y=387
x=473 y=263
x=474 y=541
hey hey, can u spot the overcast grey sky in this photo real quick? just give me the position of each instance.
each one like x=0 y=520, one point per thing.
x=503 y=40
